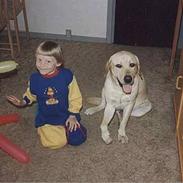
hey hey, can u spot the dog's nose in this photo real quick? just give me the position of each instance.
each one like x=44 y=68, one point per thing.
x=128 y=79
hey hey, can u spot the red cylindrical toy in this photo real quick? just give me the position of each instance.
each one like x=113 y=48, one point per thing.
x=9 y=118
x=13 y=150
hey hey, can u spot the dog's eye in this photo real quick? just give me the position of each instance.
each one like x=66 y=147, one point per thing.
x=118 y=65
x=132 y=65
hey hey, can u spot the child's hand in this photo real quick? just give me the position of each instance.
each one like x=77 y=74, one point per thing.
x=72 y=123
x=15 y=101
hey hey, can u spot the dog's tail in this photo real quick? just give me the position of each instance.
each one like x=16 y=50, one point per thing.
x=94 y=100
x=99 y=102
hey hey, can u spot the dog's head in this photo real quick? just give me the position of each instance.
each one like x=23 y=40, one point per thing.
x=124 y=67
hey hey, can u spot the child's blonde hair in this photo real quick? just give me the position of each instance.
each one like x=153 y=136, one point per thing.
x=51 y=48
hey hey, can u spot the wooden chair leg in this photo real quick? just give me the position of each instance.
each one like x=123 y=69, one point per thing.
x=175 y=38
x=17 y=33
x=10 y=41
x=26 y=21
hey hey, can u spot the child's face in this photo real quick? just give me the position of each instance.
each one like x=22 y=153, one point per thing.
x=46 y=64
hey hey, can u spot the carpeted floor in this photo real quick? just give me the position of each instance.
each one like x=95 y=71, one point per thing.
x=151 y=154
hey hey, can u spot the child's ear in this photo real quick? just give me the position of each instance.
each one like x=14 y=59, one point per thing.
x=59 y=64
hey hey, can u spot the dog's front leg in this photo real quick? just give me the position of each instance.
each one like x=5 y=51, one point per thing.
x=121 y=131
x=108 y=114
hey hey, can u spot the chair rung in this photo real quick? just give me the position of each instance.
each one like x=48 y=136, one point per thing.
x=8 y=44
x=5 y=49
x=4 y=43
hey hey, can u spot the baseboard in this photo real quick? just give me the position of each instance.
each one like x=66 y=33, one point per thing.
x=64 y=37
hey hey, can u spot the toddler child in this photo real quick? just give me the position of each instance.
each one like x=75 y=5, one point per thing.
x=56 y=91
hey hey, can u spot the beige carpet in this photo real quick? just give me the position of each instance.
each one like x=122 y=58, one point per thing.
x=151 y=154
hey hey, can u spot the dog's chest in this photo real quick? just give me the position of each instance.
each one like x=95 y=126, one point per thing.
x=123 y=102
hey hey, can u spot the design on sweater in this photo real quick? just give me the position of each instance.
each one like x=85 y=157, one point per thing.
x=50 y=92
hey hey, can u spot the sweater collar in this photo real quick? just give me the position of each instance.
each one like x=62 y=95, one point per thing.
x=51 y=75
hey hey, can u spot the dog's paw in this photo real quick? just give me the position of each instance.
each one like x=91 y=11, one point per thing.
x=107 y=140
x=123 y=139
x=89 y=111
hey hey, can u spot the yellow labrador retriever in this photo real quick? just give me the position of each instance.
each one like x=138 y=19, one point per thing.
x=125 y=90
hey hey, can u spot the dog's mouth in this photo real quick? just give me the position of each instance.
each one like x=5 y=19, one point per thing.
x=127 y=88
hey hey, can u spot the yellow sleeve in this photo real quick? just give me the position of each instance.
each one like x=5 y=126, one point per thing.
x=28 y=96
x=75 y=98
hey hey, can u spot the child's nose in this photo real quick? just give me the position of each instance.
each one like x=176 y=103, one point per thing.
x=42 y=63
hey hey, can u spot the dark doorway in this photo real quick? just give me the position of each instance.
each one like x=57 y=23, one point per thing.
x=145 y=22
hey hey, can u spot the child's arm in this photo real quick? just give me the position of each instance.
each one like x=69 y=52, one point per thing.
x=75 y=98
x=15 y=101
x=75 y=104
x=28 y=98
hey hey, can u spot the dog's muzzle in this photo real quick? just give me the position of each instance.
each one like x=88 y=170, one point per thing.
x=127 y=87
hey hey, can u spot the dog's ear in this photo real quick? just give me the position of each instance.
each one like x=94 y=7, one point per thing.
x=138 y=64
x=108 y=66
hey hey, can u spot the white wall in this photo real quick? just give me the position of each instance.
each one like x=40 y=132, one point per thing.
x=84 y=17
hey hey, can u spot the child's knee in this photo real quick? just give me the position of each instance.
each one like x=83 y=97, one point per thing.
x=52 y=137
x=77 y=137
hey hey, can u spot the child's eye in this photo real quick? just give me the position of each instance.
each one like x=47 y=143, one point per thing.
x=49 y=61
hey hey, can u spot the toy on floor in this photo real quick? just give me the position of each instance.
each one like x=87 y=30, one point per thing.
x=9 y=118
x=9 y=147
x=7 y=66
x=13 y=150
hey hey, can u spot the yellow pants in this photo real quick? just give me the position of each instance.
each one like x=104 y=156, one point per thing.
x=52 y=136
